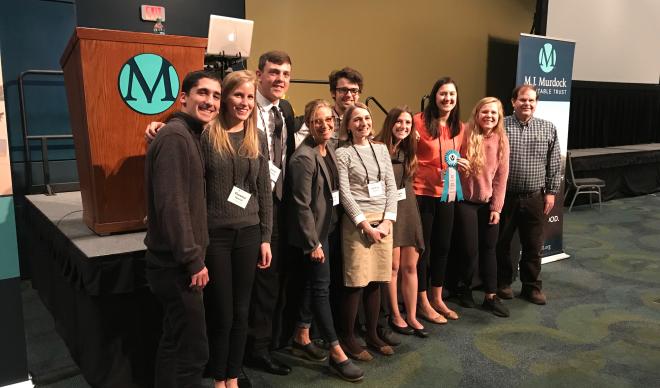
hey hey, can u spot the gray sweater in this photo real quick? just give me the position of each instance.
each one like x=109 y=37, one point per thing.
x=251 y=175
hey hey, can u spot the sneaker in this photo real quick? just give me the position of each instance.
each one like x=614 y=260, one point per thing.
x=496 y=307
x=533 y=295
x=347 y=370
x=505 y=292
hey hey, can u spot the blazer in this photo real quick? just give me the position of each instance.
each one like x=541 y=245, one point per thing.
x=289 y=119
x=310 y=199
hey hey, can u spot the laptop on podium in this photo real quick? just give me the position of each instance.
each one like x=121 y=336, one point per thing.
x=230 y=37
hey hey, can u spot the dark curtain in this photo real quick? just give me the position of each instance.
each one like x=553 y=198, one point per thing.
x=501 y=70
x=605 y=114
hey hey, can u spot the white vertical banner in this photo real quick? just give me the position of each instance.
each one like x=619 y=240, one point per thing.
x=547 y=63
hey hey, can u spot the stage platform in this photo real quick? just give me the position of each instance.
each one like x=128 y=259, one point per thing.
x=628 y=171
x=96 y=291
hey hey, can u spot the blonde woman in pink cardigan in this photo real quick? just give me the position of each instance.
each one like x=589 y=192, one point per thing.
x=486 y=147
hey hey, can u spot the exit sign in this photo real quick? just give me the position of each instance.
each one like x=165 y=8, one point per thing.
x=150 y=13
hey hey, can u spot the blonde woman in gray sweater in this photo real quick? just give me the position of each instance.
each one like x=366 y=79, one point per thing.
x=367 y=191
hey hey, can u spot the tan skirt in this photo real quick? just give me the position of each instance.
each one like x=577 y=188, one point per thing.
x=364 y=263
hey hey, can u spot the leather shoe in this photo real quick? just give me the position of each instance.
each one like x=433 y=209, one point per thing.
x=363 y=355
x=465 y=299
x=346 y=370
x=448 y=313
x=404 y=330
x=268 y=364
x=385 y=350
x=533 y=295
x=310 y=351
x=505 y=292
x=421 y=333
x=496 y=307
x=438 y=320
x=388 y=336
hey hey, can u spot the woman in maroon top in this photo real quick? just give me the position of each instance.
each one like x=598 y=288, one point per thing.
x=486 y=147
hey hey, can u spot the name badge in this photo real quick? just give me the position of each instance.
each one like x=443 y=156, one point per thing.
x=274 y=172
x=376 y=189
x=239 y=197
x=401 y=194
x=335 y=198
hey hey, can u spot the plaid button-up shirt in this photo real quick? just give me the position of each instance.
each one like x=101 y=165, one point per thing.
x=534 y=157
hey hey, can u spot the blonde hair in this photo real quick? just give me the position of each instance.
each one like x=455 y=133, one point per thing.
x=311 y=108
x=475 y=135
x=218 y=128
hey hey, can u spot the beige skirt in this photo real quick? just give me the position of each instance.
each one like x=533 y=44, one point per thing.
x=365 y=263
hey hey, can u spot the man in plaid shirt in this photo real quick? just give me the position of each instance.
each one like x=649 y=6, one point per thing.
x=534 y=180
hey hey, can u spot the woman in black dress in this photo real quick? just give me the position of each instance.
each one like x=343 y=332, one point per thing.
x=399 y=135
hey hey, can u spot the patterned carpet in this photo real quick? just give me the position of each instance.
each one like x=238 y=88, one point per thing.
x=601 y=326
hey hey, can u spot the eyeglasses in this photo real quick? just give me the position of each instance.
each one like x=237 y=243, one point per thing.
x=347 y=90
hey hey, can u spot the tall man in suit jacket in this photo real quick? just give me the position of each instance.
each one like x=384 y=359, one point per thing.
x=276 y=119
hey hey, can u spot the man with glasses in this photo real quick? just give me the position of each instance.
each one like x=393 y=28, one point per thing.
x=345 y=88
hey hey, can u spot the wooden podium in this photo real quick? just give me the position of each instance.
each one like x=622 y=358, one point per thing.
x=108 y=133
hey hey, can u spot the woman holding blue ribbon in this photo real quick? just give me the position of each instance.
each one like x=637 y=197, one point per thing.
x=484 y=183
x=437 y=186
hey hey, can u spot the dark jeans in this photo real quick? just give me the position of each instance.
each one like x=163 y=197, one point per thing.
x=316 y=295
x=232 y=262
x=266 y=291
x=336 y=275
x=437 y=224
x=525 y=213
x=479 y=240
x=183 y=349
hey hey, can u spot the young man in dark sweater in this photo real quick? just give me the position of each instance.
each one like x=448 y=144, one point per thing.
x=177 y=234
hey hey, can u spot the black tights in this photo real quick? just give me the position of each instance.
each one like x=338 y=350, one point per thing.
x=371 y=298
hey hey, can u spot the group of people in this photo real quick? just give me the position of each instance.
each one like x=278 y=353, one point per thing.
x=241 y=200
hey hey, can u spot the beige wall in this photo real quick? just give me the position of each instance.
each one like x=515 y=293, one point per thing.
x=401 y=47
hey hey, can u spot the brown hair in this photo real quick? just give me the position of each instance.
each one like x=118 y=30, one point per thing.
x=431 y=114
x=520 y=88
x=347 y=72
x=407 y=145
x=275 y=56
x=344 y=133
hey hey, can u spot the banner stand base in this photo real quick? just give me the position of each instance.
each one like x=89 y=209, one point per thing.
x=557 y=257
x=24 y=384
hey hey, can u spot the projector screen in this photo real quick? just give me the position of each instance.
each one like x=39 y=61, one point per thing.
x=616 y=40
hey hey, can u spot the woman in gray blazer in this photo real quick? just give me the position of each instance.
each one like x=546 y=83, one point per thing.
x=314 y=182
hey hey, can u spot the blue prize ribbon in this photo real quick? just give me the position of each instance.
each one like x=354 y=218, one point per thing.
x=451 y=157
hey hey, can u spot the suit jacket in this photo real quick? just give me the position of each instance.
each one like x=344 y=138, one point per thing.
x=289 y=119
x=310 y=199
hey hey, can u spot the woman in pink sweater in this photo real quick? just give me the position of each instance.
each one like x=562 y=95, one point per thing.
x=484 y=184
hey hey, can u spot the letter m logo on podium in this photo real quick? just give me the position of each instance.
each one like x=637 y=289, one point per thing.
x=148 y=84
